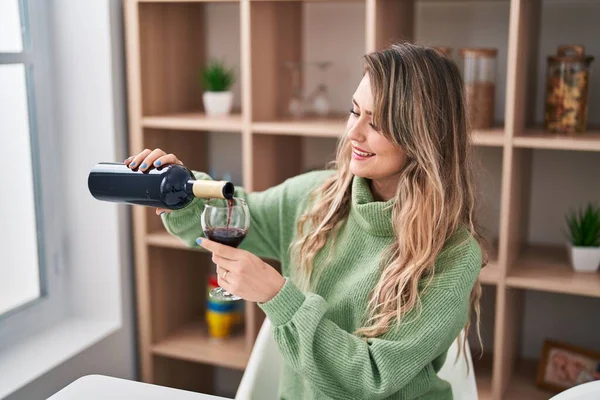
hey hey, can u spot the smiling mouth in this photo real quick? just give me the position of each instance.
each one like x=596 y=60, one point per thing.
x=361 y=154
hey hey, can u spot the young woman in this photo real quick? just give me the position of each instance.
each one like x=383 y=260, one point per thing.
x=380 y=256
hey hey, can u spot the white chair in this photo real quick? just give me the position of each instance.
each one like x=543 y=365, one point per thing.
x=262 y=374
x=585 y=391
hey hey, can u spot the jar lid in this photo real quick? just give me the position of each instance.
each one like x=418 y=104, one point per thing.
x=478 y=51
x=571 y=52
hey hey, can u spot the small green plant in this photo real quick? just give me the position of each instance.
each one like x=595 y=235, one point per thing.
x=584 y=226
x=216 y=77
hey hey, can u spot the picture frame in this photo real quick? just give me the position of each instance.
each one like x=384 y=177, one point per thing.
x=563 y=366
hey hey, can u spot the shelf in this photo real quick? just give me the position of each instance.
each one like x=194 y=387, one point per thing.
x=493 y=137
x=522 y=384
x=188 y=1
x=164 y=239
x=548 y=269
x=490 y=274
x=307 y=1
x=317 y=127
x=192 y=343
x=194 y=122
x=540 y=139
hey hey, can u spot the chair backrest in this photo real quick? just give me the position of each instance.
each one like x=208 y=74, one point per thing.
x=261 y=377
x=584 y=391
x=262 y=374
x=455 y=371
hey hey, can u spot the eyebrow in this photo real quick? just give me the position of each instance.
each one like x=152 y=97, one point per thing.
x=366 y=112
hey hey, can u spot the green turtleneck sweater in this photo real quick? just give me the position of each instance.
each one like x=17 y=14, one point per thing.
x=313 y=330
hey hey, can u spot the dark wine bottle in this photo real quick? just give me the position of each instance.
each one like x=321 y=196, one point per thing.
x=171 y=186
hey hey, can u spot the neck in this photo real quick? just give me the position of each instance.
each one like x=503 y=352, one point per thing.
x=385 y=189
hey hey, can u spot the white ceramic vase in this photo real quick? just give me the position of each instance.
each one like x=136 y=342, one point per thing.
x=584 y=259
x=217 y=103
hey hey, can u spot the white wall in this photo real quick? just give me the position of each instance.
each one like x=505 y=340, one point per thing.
x=88 y=44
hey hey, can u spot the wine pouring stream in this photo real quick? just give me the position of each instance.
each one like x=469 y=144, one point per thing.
x=225 y=219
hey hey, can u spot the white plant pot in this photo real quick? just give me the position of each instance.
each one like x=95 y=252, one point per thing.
x=217 y=103
x=584 y=259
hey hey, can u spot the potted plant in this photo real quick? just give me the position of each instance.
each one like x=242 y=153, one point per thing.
x=584 y=238
x=216 y=81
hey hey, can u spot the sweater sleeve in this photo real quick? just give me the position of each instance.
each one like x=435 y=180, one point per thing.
x=342 y=365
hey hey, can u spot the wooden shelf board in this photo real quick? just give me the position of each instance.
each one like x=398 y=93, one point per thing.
x=164 y=239
x=522 y=384
x=547 y=268
x=192 y=343
x=309 y=1
x=318 y=127
x=539 y=139
x=188 y=1
x=493 y=137
x=490 y=274
x=197 y=121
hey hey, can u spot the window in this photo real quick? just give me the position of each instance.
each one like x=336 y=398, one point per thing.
x=30 y=238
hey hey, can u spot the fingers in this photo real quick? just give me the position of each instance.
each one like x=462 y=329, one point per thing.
x=225 y=252
x=224 y=274
x=151 y=158
x=167 y=159
x=228 y=280
x=135 y=161
x=225 y=264
x=147 y=158
x=161 y=211
x=229 y=286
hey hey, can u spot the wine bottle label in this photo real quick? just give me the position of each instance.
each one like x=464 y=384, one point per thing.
x=212 y=189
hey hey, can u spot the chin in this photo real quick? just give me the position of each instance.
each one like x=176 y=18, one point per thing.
x=360 y=171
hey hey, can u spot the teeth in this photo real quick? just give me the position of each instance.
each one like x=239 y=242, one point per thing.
x=360 y=153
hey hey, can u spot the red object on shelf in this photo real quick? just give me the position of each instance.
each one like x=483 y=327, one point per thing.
x=213 y=281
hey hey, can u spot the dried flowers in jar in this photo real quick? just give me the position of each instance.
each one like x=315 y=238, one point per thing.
x=567 y=85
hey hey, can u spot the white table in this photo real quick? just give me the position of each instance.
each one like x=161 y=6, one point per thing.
x=100 y=387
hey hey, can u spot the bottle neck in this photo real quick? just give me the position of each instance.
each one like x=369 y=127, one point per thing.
x=189 y=187
x=208 y=189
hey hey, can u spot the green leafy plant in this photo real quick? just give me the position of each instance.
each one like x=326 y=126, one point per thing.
x=216 y=77
x=584 y=226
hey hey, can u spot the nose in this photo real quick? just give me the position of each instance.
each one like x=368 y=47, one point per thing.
x=356 y=130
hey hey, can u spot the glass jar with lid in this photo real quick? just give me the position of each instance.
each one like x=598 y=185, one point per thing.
x=479 y=74
x=567 y=86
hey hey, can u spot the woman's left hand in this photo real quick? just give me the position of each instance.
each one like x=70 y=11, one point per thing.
x=242 y=273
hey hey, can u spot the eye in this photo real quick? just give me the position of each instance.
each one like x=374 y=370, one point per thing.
x=356 y=114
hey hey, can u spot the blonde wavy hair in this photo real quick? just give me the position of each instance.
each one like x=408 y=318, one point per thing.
x=419 y=106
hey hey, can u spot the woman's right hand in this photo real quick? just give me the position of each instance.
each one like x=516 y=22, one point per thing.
x=148 y=158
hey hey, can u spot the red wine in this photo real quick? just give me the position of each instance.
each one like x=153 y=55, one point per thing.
x=229 y=209
x=172 y=186
x=228 y=236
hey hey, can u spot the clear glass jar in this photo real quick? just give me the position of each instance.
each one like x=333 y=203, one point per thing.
x=567 y=86
x=479 y=74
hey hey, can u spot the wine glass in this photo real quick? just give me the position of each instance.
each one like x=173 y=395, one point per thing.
x=226 y=222
x=320 y=97
x=295 y=106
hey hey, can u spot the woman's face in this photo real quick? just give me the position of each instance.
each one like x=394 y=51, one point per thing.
x=373 y=156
